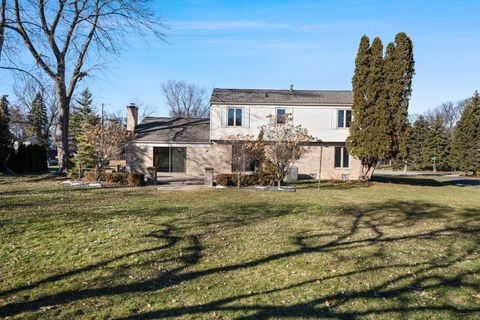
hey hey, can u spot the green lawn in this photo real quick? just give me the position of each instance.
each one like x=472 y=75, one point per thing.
x=346 y=251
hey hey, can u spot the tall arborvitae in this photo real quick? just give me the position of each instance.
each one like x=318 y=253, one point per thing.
x=82 y=115
x=418 y=138
x=379 y=130
x=437 y=146
x=466 y=138
x=381 y=93
x=37 y=119
x=399 y=71
x=357 y=141
x=370 y=130
x=6 y=137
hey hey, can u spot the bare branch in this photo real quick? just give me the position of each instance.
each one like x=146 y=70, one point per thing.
x=186 y=99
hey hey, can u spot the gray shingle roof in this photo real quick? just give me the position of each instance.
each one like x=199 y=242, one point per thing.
x=280 y=97
x=173 y=130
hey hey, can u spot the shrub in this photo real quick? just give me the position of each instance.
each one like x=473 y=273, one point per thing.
x=224 y=180
x=231 y=179
x=31 y=158
x=90 y=176
x=113 y=177
x=136 y=179
x=266 y=174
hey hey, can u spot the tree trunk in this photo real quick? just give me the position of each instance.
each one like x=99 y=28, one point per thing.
x=62 y=127
x=279 y=183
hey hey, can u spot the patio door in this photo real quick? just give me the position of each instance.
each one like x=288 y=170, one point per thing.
x=169 y=159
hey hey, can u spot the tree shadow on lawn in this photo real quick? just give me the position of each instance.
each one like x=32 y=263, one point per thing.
x=374 y=226
x=429 y=182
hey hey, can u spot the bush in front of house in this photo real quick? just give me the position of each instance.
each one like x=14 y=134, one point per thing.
x=131 y=179
x=113 y=177
x=224 y=180
x=231 y=179
x=136 y=179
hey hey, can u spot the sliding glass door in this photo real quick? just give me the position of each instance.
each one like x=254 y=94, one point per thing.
x=169 y=159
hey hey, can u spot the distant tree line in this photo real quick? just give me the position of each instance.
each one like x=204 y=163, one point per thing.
x=447 y=138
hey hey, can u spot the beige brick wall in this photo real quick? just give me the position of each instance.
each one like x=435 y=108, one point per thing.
x=310 y=162
x=219 y=156
x=198 y=157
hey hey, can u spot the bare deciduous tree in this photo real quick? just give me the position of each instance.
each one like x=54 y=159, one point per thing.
x=60 y=37
x=284 y=144
x=25 y=88
x=448 y=112
x=186 y=100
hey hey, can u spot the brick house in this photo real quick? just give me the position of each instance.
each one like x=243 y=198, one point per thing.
x=184 y=147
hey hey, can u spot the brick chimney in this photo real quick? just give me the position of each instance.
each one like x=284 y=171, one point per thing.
x=132 y=117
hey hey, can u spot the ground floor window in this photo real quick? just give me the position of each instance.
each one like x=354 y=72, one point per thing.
x=341 y=157
x=169 y=159
x=240 y=160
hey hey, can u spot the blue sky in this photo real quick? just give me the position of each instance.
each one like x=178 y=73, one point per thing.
x=310 y=44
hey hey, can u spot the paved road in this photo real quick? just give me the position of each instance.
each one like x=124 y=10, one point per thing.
x=451 y=178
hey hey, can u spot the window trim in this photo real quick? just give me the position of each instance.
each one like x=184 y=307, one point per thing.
x=235 y=117
x=343 y=150
x=344 y=124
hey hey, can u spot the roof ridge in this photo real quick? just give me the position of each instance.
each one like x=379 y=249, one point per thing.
x=285 y=90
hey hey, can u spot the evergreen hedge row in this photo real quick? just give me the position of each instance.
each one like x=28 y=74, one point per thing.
x=31 y=158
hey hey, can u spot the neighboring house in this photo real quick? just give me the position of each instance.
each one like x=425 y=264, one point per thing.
x=178 y=146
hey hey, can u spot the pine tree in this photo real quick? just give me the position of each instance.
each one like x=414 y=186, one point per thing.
x=437 y=146
x=399 y=71
x=418 y=157
x=82 y=115
x=466 y=138
x=6 y=137
x=37 y=119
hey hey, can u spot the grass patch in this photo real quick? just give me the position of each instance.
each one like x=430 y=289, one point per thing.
x=377 y=251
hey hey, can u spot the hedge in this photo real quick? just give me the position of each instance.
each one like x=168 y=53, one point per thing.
x=31 y=158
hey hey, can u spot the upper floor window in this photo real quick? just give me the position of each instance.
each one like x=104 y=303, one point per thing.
x=234 y=117
x=280 y=115
x=344 y=118
x=341 y=157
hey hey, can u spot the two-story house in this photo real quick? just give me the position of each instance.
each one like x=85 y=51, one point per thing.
x=184 y=147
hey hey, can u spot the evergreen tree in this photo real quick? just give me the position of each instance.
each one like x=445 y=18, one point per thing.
x=82 y=115
x=418 y=138
x=466 y=138
x=399 y=71
x=379 y=131
x=381 y=92
x=85 y=155
x=6 y=137
x=357 y=141
x=37 y=119
x=437 y=146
